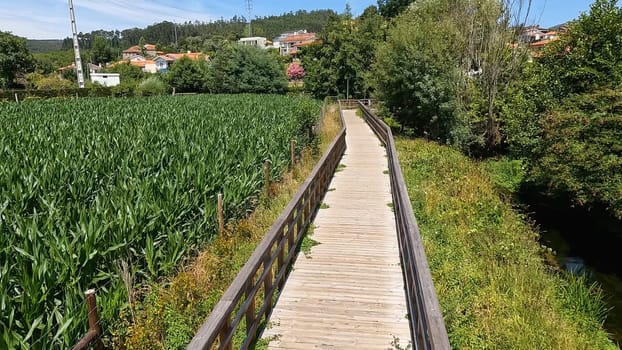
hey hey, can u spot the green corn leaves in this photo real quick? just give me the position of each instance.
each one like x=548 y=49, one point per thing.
x=86 y=184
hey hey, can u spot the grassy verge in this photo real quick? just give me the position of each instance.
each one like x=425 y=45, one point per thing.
x=170 y=312
x=495 y=290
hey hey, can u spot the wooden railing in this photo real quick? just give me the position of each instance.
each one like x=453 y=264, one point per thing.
x=245 y=306
x=427 y=327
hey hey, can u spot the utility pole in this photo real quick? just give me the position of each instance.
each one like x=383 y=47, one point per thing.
x=249 y=7
x=76 y=46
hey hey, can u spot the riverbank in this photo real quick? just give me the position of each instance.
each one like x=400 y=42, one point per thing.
x=493 y=285
x=592 y=237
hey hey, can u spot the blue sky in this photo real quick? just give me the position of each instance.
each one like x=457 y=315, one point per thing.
x=49 y=19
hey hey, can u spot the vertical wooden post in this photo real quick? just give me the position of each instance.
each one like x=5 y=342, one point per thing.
x=250 y=313
x=292 y=151
x=266 y=171
x=221 y=215
x=16 y=98
x=223 y=335
x=93 y=315
x=267 y=284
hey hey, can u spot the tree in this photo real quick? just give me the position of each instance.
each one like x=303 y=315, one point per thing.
x=186 y=75
x=101 y=53
x=416 y=74
x=339 y=65
x=588 y=55
x=246 y=69
x=15 y=59
x=392 y=8
x=295 y=71
x=127 y=71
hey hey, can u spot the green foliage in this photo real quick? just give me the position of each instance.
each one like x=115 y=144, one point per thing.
x=493 y=286
x=54 y=83
x=14 y=59
x=152 y=86
x=186 y=75
x=582 y=150
x=194 y=35
x=415 y=74
x=126 y=71
x=244 y=69
x=101 y=53
x=392 y=8
x=588 y=56
x=108 y=180
x=125 y=89
x=508 y=174
x=339 y=65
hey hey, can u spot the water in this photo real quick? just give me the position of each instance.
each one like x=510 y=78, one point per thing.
x=586 y=241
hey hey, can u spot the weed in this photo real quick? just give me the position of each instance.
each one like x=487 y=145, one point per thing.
x=324 y=206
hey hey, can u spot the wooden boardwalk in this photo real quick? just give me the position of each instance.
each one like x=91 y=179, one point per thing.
x=348 y=292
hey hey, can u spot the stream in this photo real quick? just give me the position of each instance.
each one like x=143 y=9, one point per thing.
x=586 y=241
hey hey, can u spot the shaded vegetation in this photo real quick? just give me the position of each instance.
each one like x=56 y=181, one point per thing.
x=493 y=286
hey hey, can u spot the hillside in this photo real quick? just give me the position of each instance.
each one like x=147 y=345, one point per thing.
x=163 y=33
x=44 y=46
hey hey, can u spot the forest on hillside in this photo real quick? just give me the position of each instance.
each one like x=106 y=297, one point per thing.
x=184 y=35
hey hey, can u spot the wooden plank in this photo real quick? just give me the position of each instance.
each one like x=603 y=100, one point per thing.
x=349 y=292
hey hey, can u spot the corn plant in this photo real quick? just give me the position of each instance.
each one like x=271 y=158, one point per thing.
x=86 y=184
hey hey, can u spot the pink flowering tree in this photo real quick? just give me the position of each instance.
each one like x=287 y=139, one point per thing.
x=295 y=71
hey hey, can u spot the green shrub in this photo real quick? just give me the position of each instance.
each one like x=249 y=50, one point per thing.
x=152 y=86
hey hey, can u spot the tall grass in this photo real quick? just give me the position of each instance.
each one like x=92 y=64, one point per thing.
x=493 y=286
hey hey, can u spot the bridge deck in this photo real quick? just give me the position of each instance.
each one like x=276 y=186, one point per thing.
x=348 y=293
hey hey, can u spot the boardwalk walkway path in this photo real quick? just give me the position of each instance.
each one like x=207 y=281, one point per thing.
x=348 y=292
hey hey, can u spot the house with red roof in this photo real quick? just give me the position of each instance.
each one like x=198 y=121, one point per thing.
x=291 y=44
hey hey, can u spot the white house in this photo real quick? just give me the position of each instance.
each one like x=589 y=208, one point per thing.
x=106 y=79
x=254 y=41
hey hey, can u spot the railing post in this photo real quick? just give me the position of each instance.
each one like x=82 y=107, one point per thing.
x=250 y=312
x=267 y=284
x=221 y=215
x=266 y=170
x=292 y=152
x=223 y=335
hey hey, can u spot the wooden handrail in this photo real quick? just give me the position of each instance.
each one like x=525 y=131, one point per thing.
x=427 y=326
x=250 y=296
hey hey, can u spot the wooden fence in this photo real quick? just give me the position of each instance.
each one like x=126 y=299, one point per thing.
x=427 y=327
x=245 y=306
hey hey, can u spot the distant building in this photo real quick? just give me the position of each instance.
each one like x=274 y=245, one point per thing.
x=276 y=42
x=254 y=41
x=291 y=44
x=147 y=50
x=106 y=79
x=161 y=63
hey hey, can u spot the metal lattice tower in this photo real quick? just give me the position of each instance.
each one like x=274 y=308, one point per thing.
x=249 y=7
x=76 y=46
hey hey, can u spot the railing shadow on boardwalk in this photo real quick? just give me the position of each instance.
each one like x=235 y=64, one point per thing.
x=265 y=272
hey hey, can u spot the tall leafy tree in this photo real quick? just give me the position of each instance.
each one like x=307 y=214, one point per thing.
x=101 y=53
x=589 y=55
x=339 y=64
x=186 y=75
x=246 y=69
x=392 y=8
x=14 y=59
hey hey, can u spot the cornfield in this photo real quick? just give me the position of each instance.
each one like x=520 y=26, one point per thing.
x=95 y=190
